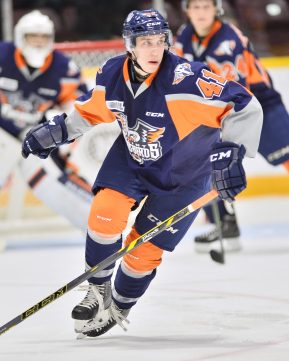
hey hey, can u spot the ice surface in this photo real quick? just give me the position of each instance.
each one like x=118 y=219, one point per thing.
x=194 y=310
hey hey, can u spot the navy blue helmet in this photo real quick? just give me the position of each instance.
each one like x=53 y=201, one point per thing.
x=142 y=23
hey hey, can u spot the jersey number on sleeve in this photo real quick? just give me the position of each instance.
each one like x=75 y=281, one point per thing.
x=209 y=89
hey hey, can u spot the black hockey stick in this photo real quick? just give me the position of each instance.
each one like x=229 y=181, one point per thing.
x=200 y=202
x=218 y=256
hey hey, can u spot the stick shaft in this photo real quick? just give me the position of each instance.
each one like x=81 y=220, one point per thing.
x=200 y=202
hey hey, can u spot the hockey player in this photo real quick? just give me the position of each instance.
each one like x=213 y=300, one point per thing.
x=170 y=112
x=230 y=54
x=35 y=80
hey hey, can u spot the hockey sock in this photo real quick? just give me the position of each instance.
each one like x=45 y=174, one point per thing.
x=127 y=290
x=96 y=251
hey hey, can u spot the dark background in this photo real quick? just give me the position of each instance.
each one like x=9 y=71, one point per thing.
x=102 y=19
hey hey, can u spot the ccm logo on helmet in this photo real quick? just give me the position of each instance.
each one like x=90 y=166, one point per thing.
x=155 y=115
x=154 y=23
x=221 y=155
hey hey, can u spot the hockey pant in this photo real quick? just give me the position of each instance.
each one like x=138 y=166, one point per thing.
x=107 y=221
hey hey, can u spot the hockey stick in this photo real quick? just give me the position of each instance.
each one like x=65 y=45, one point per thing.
x=200 y=202
x=216 y=255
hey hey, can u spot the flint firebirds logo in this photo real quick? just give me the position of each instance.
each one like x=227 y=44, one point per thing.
x=181 y=71
x=142 y=139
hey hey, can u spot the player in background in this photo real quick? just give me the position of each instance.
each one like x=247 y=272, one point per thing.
x=230 y=54
x=35 y=80
x=170 y=112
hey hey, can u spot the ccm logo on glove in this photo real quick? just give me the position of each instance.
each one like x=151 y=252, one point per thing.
x=221 y=155
x=228 y=175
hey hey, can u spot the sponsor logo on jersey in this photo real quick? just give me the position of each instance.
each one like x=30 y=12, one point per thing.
x=115 y=105
x=142 y=140
x=226 y=47
x=155 y=115
x=181 y=71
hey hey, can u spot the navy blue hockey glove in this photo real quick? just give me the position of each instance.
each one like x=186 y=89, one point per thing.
x=228 y=175
x=42 y=139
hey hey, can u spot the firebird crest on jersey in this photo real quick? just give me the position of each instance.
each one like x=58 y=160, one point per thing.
x=142 y=139
x=181 y=71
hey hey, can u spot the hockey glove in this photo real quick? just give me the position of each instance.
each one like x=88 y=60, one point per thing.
x=42 y=139
x=228 y=174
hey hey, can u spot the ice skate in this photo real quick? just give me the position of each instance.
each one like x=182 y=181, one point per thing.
x=230 y=233
x=112 y=316
x=93 y=306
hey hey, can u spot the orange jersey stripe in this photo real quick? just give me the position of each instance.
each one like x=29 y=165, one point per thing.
x=125 y=73
x=188 y=115
x=257 y=73
x=94 y=110
x=19 y=60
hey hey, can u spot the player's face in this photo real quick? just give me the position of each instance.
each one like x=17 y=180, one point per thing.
x=149 y=51
x=202 y=14
x=37 y=40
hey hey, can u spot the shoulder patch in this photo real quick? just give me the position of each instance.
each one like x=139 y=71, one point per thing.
x=181 y=71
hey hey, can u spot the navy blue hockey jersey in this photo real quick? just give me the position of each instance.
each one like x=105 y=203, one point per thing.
x=230 y=54
x=31 y=94
x=170 y=123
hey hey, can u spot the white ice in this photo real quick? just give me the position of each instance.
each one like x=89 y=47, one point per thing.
x=194 y=310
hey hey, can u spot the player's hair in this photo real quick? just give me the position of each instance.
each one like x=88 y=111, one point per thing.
x=217 y=3
x=34 y=23
x=142 y=23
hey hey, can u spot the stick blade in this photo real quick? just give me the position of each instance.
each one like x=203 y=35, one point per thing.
x=217 y=256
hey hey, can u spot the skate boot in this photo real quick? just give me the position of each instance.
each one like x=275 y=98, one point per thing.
x=93 y=306
x=230 y=233
x=113 y=316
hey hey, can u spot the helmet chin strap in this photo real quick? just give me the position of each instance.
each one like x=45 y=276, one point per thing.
x=136 y=66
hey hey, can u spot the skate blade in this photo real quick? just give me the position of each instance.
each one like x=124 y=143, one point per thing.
x=79 y=325
x=82 y=326
x=80 y=336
